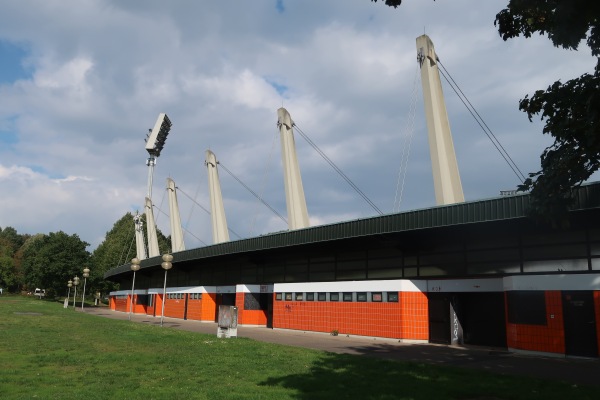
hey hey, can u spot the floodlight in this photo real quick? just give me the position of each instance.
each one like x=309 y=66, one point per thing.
x=158 y=135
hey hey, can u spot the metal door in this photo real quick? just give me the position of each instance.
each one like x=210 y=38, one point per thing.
x=580 y=324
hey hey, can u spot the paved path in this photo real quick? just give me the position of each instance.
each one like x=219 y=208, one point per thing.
x=572 y=370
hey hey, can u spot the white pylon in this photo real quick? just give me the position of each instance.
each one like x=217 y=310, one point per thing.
x=151 y=230
x=217 y=209
x=294 y=191
x=139 y=237
x=446 y=178
x=177 y=243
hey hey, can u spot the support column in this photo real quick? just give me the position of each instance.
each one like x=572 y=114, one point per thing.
x=217 y=209
x=139 y=237
x=177 y=243
x=446 y=178
x=294 y=191
x=151 y=230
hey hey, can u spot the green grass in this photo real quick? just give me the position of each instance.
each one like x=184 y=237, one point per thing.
x=62 y=354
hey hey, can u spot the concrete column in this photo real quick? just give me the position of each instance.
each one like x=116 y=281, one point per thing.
x=217 y=209
x=151 y=230
x=294 y=191
x=446 y=178
x=177 y=243
x=139 y=237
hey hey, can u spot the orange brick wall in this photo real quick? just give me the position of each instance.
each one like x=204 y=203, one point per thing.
x=175 y=308
x=121 y=304
x=549 y=338
x=194 y=309
x=209 y=307
x=406 y=319
x=249 y=317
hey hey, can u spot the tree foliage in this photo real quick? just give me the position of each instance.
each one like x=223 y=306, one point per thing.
x=49 y=261
x=571 y=110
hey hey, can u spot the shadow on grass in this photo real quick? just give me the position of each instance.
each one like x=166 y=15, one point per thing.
x=341 y=376
x=336 y=376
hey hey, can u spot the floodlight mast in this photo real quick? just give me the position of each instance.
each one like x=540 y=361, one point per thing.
x=155 y=141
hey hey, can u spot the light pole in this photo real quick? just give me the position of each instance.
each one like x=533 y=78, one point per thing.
x=86 y=273
x=75 y=283
x=69 y=285
x=166 y=265
x=135 y=266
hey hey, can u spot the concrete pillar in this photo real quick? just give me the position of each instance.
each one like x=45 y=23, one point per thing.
x=446 y=178
x=294 y=192
x=151 y=230
x=217 y=209
x=139 y=237
x=177 y=243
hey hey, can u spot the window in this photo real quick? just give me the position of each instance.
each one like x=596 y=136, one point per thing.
x=347 y=296
x=288 y=297
x=334 y=297
x=278 y=296
x=376 y=297
x=321 y=296
x=299 y=296
x=526 y=307
x=361 y=296
x=310 y=297
x=392 y=297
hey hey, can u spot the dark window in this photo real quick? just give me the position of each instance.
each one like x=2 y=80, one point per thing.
x=310 y=296
x=322 y=297
x=252 y=301
x=299 y=296
x=361 y=296
x=288 y=296
x=526 y=307
x=392 y=297
x=334 y=297
x=376 y=297
x=347 y=296
x=277 y=296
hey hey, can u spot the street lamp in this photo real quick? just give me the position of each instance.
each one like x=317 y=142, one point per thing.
x=166 y=265
x=135 y=266
x=69 y=285
x=86 y=273
x=75 y=283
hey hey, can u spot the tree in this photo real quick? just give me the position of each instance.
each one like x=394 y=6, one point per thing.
x=571 y=110
x=49 y=261
x=10 y=243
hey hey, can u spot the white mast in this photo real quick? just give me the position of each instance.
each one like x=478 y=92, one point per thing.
x=177 y=243
x=294 y=191
x=446 y=178
x=151 y=228
x=139 y=237
x=217 y=209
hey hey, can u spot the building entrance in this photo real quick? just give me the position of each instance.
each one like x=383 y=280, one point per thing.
x=580 y=324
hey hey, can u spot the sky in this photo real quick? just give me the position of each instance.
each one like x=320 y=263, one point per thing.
x=82 y=81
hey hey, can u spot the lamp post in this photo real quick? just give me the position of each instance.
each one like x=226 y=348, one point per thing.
x=75 y=283
x=69 y=285
x=86 y=273
x=135 y=266
x=166 y=265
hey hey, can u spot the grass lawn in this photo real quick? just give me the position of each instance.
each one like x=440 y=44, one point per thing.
x=48 y=352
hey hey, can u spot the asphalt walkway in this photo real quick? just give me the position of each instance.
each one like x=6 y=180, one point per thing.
x=576 y=371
